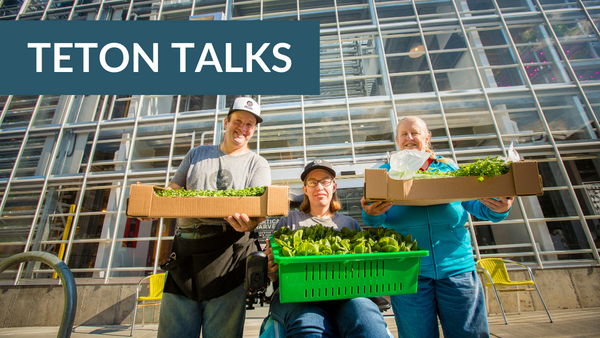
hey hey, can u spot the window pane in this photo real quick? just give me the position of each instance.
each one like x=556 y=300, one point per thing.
x=517 y=118
x=391 y=13
x=197 y=102
x=316 y=4
x=451 y=60
x=326 y=18
x=8 y=153
x=193 y=131
x=29 y=164
x=327 y=133
x=350 y=199
x=567 y=117
x=470 y=122
x=45 y=113
x=19 y=111
x=372 y=130
x=501 y=77
x=435 y=10
x=445 y=41
x=353 y=16
x=411 y=84
x=593 y=96
x=464 y=79
x=541 y=61
x=111 y=150
x=281 y=136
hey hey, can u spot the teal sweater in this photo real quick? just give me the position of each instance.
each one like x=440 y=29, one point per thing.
x=439 y=229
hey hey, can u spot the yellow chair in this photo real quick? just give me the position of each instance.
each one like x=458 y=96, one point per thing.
x=495 y=269
x=155 y=285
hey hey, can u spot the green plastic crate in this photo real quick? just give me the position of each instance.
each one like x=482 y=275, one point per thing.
x=329 y=277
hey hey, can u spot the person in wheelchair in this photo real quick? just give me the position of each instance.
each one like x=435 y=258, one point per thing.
x=358 y=317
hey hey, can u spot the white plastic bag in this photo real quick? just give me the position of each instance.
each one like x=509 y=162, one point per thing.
x=405 y=163
x=513 y=155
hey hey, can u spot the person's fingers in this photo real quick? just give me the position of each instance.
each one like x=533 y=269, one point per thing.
x=486 y=202
x=500 y=204
x=235 y=224
x=386 y=206
x=244 y=218
x=376 y=208
x=382 y=207
x=365 y=206
x=231 y=222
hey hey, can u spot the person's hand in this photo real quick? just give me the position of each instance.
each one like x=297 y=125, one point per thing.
x=272 y=267
x=502 y=205
x=146 y=219
x=377 y=208
x=243 y=223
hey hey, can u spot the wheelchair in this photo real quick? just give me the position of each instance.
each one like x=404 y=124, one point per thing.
x=256 y=284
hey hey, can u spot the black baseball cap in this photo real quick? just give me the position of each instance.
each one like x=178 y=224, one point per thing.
x=317 y=164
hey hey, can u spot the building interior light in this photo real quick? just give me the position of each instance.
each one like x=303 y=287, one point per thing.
x=420 y=49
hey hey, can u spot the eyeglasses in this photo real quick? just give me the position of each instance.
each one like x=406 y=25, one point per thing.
x=313 y=183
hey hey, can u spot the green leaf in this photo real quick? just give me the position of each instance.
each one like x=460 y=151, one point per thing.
x=389 y=248
x=287 y=252
x=280 y=242
x=360 y=248
x=298 y=238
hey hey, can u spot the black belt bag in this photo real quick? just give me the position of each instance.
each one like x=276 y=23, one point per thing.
x=211 y=267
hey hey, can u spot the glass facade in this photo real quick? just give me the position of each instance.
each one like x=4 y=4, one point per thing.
x=482 y=73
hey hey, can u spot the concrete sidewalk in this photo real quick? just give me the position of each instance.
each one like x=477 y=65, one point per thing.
x=567 y=323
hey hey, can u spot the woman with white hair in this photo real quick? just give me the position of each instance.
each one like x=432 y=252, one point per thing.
x=448 y=286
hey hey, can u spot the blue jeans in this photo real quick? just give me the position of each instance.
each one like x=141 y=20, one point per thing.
x=458 y=300
x=358 y=317
x=182 y=317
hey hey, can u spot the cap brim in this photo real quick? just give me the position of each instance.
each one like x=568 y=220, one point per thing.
x=306 y=172
x=258 y=118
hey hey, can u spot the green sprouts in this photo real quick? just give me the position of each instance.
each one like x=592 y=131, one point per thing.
x=488 y=167
x=251 y=191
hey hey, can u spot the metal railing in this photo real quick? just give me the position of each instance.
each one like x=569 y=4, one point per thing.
x=66 y=277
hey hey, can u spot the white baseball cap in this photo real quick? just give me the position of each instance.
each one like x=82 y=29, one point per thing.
x=246 y=104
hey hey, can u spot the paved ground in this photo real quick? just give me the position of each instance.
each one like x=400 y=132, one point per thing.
x=581 y=323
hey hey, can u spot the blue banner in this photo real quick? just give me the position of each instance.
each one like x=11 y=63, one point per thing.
x=159 y=57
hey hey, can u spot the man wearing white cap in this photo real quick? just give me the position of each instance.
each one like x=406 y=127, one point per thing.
x=204 y=289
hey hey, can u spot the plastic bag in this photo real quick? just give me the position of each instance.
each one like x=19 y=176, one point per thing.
x=405 y=163
x=513 y=155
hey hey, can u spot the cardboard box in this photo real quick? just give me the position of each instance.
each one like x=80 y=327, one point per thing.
x=143 y=202
x=523 y=179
